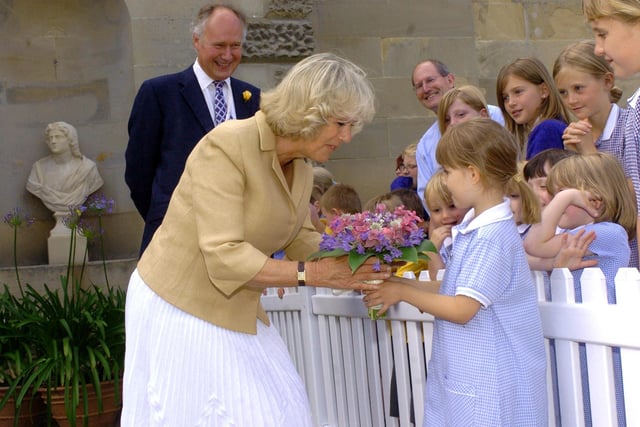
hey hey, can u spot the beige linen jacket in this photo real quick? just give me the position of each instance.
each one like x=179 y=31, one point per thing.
x=231 y=209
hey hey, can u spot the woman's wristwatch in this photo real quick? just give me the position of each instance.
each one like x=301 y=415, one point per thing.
x=302 y=276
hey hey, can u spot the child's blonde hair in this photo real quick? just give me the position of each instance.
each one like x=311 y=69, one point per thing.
x=342 y=197
x=581 y=56
x=481 y=143
x=470 y=95
x=437 y=189
x=627 y=11
x=551 y=107
x=531 y=209
x=410 y=150
x=601 y=175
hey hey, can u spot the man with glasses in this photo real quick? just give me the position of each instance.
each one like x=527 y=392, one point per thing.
x=431 y=79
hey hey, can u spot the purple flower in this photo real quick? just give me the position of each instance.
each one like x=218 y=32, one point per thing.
x=73 y=219
x=88 y=230
x=379 y=233
x=97 y=203
x=18 y=217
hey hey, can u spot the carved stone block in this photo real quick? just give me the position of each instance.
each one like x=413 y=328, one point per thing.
x=293 y=9
x=272 y=39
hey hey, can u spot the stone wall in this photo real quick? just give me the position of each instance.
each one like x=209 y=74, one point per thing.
x=82 y=62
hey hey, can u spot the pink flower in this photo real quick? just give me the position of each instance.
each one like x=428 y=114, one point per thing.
x=386 y=235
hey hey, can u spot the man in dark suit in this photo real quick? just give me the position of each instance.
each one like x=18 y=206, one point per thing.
x=171 y=113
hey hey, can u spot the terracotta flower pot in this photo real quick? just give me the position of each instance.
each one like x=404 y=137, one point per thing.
x=32 y=412
x=109 y=417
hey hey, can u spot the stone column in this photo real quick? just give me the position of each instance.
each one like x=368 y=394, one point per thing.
x=59 y=242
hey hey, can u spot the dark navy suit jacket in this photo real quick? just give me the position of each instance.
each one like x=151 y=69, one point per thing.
x=168 y=118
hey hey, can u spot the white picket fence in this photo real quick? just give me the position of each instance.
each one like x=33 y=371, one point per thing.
x=347 y=360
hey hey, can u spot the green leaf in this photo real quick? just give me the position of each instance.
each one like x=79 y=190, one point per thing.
x=426 y=246
x=409 y=254
x=356 y=259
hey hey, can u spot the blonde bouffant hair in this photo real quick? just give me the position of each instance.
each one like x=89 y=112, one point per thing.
x=321 y=87
x=601 y=175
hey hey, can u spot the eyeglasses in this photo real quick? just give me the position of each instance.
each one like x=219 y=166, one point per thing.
x=427 y=81
x=407 y=167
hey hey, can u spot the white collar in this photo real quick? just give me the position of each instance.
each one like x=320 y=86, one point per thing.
x=633 y=101
x=523 y=227
x=470 y=222
x=611 y=122
x=203 y=78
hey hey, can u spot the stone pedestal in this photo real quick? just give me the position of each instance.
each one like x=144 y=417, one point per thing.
x=59 y=242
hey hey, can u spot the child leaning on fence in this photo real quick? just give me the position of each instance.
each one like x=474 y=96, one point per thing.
x=590 y=192
x=488 y=364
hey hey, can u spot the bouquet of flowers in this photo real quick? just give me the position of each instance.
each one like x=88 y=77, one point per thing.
x=388 y=236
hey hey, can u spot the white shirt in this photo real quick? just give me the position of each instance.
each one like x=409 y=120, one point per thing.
x=204 y=81
x=633 y=100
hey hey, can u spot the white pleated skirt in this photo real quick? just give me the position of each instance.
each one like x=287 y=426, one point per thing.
x=181 y=371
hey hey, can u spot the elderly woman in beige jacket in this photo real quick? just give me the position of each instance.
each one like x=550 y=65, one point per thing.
x=200 y=349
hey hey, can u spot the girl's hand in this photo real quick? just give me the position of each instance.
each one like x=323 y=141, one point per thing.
x=438 y=235
x=574 y=248
x=578 y=137
x=387 y=294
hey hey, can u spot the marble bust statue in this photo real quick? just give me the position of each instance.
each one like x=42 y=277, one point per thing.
x=65 y=177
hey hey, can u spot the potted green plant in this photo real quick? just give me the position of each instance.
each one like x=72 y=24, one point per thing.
x=15 y=351
x=75 y=338
x=78 y=340
x=15 y=355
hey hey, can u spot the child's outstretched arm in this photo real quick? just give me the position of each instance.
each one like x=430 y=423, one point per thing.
x=425 y=297
x=541 y=240
x=574 y=247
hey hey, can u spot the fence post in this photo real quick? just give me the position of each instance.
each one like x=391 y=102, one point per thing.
x=628 y=296
x=567 y=355
x=599 y=357
x=293 y=317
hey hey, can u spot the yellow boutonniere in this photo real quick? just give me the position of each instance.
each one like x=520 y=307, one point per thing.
x=246 y=95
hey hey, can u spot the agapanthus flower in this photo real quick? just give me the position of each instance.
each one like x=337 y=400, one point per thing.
x=73 y=219
x=18 y=217
x=88 y=230
x=97 y=203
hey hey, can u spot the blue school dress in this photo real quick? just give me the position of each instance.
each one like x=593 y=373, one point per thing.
x=492 y=370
